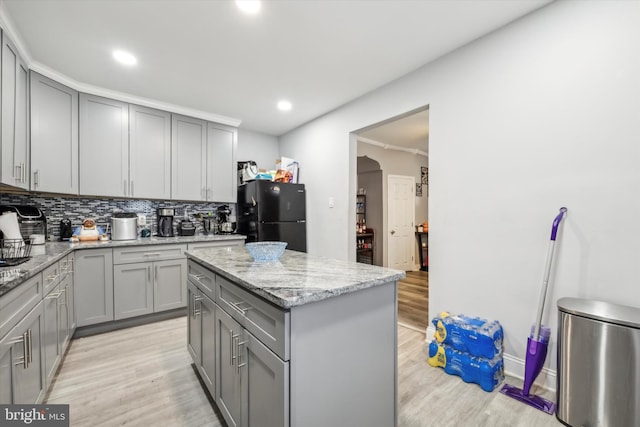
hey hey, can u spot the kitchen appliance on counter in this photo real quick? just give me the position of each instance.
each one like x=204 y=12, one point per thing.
x=186 y=228
x=124 y=226
x=66 y=229
x=31 y=220
x=273 y=211
x=165 y=221
x=225 y=226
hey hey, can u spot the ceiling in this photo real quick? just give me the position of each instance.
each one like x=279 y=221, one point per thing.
x=207 y=56
x=411 y=131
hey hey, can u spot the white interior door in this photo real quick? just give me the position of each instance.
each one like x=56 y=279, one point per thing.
x=401 y=212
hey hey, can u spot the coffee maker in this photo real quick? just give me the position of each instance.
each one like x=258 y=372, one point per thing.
x=224 y=225
x=165 y=222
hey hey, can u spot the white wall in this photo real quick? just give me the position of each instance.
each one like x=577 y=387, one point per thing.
x=540 y=114
x=394 y=162
x=259 y=147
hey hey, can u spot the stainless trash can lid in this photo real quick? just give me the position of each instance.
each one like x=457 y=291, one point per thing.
x=600 y=310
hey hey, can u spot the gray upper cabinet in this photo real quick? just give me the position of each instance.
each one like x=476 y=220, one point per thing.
x=15 y=117
x=149 y=153
x=222 y=174
x=203 y=160
x=54 y=136
x=188 y=159
x=104 y=147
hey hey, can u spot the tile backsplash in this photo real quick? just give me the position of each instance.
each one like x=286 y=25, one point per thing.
x=77 y=208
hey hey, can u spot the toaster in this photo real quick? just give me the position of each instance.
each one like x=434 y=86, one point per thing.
x=30 y=219
x=186 y=228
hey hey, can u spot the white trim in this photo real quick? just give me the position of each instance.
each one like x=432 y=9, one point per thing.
x=393 y=147
x=514 y=367
x=36 y=66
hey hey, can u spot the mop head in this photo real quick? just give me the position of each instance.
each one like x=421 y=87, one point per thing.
x=537 y=402
x=536 y=354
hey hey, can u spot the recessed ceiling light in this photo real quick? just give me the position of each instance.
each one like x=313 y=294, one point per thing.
x=249 y=6
x=124 y=57
x=284 y=105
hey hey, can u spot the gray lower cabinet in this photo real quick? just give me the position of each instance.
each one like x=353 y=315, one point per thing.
x=15 y=117
x=149 y=279
x=228 y=395
x=55 y=319
x=93 y=280
x=22 y=378
x=277 y=367
x=249 y=382
x=201 y=335
x=54 y=136
x=132 y=290
x=169 y=284
x=253 y=383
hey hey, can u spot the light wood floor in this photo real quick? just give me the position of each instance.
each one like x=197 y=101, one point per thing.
x=142 y=376
x=413 y=300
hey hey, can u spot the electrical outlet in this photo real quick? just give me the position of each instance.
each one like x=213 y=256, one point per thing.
x=142 y=219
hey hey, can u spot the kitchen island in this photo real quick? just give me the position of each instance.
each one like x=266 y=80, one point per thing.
x=305 y=341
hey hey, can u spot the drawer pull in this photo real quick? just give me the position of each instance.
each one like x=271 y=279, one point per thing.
x=238 y=307
x=152 y=254
x=54 y=295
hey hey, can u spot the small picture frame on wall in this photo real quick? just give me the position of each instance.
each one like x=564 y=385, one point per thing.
x=418 y=190
x=424 y=175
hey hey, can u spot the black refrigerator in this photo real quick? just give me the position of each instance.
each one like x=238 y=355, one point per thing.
x=273 y=211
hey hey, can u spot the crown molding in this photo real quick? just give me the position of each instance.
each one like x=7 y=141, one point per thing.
x=393 y=147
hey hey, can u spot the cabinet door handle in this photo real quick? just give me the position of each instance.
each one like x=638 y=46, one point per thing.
x=63 y=291
x=131 y=188
x=238 y=344
x=17 y=173
x=231 y=357
x=149 y=272
x=197 y=310
x=30 y=347
x=125 y=187
x=24 y=359
x=24 y=173
x=155 y=277
x=36 y=178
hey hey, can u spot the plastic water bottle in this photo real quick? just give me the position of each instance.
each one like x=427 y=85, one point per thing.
x=474 y=335
x=487 y=373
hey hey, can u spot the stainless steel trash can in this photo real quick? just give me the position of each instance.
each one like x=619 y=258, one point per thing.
x=598 y=364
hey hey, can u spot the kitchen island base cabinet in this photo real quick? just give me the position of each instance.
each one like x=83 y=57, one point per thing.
x=331 y=362
x=201 y=335
x=344 y=359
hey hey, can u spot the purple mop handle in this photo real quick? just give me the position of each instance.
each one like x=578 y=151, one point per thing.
x=556 y=223
x=547 y=272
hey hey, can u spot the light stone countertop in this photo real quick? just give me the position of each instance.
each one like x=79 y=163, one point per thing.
x=297 y=278
x=42 y=256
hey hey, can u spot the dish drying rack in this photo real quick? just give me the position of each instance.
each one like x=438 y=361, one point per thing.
x=14 y=251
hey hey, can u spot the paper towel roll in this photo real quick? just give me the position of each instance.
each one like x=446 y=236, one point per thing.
x=11 y=229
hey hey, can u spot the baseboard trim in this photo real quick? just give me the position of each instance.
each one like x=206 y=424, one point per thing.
x=514 y=367
x=100 y=328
